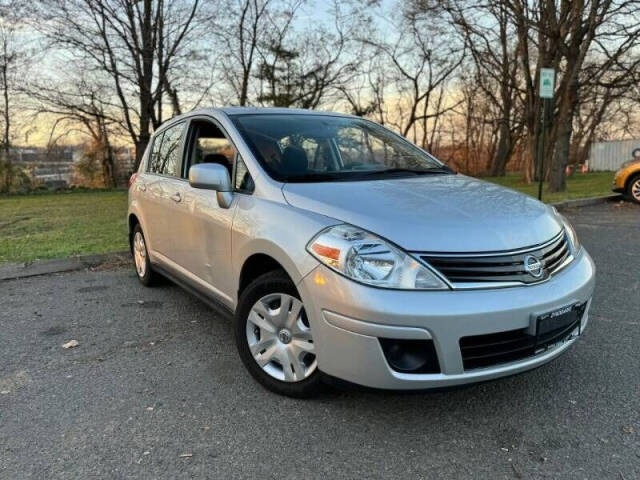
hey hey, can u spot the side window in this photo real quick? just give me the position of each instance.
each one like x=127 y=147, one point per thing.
x=154 y=160
x=208 y=144
x=243 y=181
x=170 y=156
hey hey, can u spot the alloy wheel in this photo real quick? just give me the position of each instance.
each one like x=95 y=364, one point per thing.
x=635 y=189
x=279 y=337
x=140 y=254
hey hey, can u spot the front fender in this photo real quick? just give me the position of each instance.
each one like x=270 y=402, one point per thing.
x=278 y=230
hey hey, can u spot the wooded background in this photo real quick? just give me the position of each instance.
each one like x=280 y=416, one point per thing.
x=459 y=78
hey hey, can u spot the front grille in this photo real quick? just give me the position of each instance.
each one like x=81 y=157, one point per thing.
x=480 y=351
x=497 y=267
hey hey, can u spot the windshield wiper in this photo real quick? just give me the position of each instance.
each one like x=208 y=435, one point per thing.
x=424 y=171
x=315 y=177
x=346 y=175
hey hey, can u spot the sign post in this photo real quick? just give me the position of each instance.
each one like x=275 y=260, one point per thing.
x=547 y=84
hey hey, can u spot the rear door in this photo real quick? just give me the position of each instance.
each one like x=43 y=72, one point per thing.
x=165 y=191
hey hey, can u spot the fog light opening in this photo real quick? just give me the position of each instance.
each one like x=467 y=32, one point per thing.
x=410 y=356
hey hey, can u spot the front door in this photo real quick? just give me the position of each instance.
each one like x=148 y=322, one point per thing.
x=204 y=246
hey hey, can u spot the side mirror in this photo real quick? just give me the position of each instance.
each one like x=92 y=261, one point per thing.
x=213 y=176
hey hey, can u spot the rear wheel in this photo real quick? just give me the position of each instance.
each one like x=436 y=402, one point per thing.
x=274 y=338
x=141 y=258
x=633 y=189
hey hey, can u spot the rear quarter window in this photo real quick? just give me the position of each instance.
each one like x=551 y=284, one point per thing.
x=154 y=159
x=166 y=154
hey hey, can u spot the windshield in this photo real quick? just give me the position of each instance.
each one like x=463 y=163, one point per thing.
x=314 y=148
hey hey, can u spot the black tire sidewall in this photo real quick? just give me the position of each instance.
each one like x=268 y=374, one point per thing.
x=272 y=282
x=633 y=180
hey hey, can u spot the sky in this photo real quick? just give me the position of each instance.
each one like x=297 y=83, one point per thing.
x=50 y=65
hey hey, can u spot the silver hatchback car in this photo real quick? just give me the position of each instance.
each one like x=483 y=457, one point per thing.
x=346 y=252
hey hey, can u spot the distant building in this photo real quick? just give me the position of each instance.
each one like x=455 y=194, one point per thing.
x=608 y=156
x=50 y=166
x=55 y=167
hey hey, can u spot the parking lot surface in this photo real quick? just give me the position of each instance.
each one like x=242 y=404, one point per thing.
x=155 y=389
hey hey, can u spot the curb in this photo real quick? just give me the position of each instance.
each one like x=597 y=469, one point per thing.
x=12 y=271
x=584 y=202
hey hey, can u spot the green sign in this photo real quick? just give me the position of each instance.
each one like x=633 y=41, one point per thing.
x=547 y=82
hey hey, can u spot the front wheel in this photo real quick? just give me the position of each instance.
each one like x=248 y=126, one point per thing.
x=274 y=338
x=633 y=189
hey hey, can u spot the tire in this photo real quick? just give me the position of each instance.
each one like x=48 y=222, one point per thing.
x=141 y=262
x=633 y=189
x=282 y=343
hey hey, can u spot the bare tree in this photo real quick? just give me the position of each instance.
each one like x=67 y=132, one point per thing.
x=606 y=103
x=266 y=61
x=563 y=35
x=83 y=106
x=303 y=70
x=239 y=34
x=422 y=59
x=14 y=58
x=489 y=36
x=134 y=42
x=364 y=94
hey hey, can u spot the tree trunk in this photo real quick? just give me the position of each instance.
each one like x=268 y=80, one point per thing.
x=141 y=146
x=146 y=100
x=557 y=178
x=6 y=142
x=563 y=131
x=108 y=160
x=504 y=150
x=244 y=88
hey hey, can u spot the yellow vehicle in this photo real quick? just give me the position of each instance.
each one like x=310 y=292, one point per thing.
x=627 y=179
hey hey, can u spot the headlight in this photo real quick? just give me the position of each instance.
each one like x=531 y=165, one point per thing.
x=571 y=233
x=366 y=258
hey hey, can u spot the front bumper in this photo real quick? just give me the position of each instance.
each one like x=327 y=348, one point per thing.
x=347 y=320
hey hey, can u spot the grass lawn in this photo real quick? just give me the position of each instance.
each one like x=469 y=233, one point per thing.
x=578 y=186
x=53 y=225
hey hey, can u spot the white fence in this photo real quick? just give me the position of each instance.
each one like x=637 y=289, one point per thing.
x=608 y=156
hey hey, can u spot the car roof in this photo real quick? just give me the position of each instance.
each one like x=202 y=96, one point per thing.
x=272 y=110
x=263 y=111
x=233 y=111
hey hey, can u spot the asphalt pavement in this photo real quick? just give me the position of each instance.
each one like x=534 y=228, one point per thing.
x=155 y=389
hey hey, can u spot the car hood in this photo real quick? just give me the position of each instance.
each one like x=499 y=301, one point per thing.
x=435 y=213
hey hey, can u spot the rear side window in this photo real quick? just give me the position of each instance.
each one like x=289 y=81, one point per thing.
x=166 y=156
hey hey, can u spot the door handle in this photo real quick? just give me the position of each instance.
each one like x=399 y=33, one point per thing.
x=176 y=197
